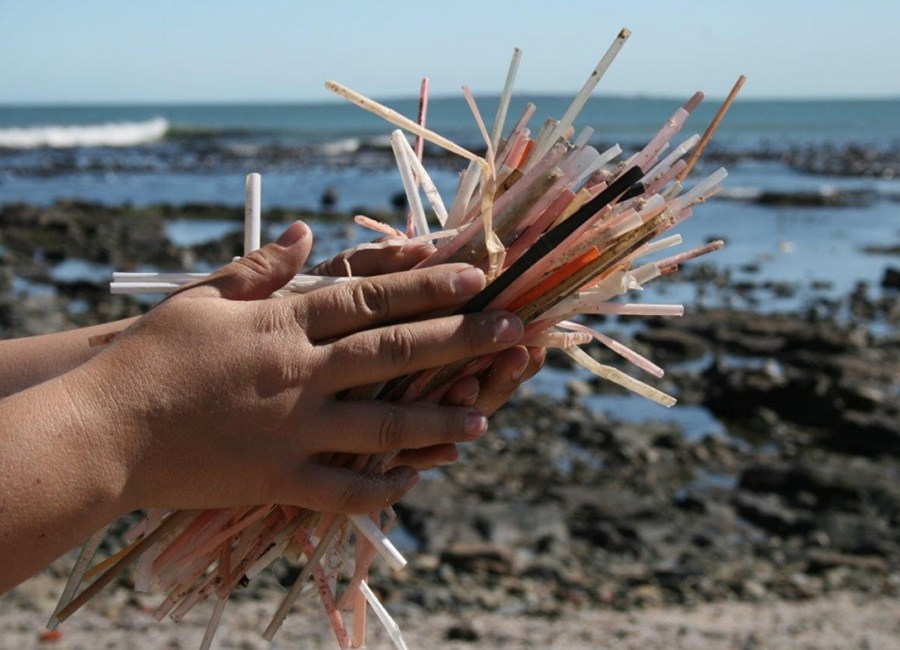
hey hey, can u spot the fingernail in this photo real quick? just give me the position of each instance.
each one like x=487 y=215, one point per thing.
x=412 y=481
x=468 y=281
x=476 y=423
x=471 y=398
x=451 y=457
x=294 y=233
x=519 y=371
x=508 y=329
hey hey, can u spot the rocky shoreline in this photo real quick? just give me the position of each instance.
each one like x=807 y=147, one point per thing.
x=565 y=509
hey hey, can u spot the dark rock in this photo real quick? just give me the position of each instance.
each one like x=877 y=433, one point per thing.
x=836 y=484
x=891 y=278
x=463 y=631
x=878 y=249
x=859 y=534
x=842 y=199
x=870 y=434
x=479 y=558
x=607 y=535
x=673 y=344
x=771 y=513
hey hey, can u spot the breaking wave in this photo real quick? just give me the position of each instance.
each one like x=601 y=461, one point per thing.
x=111 y=134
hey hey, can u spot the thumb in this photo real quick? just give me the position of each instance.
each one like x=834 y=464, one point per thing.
x=262 y=272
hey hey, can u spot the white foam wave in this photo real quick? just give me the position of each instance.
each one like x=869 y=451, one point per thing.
x=340 y=147
x=112 y=134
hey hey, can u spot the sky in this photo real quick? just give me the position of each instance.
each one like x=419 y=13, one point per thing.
x=103 y=51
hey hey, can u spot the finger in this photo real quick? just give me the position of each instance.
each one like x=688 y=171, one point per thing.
x=334 y=489
x=427 y=457
x=388 y=352
x=372 y=427
x=260 y=273
x=463 y=393
x=351 y=306
x=510 y=369
x=375 y=260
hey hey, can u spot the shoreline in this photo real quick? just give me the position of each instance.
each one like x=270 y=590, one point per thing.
x=568 y=516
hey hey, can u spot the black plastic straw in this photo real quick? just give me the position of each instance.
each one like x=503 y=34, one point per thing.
x=553 y=238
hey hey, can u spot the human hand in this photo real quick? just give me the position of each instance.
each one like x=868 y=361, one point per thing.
x=386 y=255
x=219 y=397
x=487 y=392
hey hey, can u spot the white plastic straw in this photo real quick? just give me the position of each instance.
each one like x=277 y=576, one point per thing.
x=634 y=309
x=252 y=213
x=463 y=196
x=213 y=624
x=88 y=550
x=431 y=191
x=701 y=190
x=379 y=540
x=584 y=137
x=605 y=158
x=500 y=119
x=658 y=245
x=399 y=120
x=408 y=178
x=666 y=163
x=581 y=98
x=389 y=624
x=137 y=283
x=623 y=351
x=609 y=373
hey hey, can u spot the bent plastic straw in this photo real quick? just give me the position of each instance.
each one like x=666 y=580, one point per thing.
x=418 y=224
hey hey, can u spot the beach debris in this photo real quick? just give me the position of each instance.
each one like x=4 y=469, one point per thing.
x=560 y=229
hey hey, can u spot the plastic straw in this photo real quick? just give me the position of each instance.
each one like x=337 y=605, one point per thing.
x=505 y=96
x=252 y=213
x=711 y=129
x=379 y=540
x=410 y=186
x=584 y=94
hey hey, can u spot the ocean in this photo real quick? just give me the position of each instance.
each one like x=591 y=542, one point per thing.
x=177 y=154
x=810 y=210
x=195 y=153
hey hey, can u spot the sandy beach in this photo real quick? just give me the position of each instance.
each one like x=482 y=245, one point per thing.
x=839 y=621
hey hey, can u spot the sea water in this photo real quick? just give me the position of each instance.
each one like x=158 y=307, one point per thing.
x=145 y=154
x=200 y=154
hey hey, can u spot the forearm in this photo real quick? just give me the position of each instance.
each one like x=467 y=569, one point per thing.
x=29 y=361
x=60 y=479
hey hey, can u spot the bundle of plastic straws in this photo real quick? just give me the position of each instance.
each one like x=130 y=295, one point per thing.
x=560 y=229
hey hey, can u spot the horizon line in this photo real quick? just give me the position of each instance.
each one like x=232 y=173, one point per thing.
x=45 y=103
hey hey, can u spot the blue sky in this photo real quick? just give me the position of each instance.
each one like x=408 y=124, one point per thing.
x=167 y=50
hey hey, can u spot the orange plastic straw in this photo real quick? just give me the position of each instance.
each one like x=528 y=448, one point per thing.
x=529 y=145
x=567 y=269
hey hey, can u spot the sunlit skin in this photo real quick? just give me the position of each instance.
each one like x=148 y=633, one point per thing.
x=220 y=397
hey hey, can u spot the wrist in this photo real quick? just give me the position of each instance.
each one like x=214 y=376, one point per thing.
x=100 y=438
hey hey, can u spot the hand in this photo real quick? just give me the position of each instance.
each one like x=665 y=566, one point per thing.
x=488 y=392
x=382 y=256
x=220 y=397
